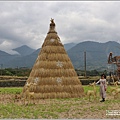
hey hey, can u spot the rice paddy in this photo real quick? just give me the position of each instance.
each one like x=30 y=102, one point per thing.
x=67 y=108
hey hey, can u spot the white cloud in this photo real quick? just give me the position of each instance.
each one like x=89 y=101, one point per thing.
x=28 y=22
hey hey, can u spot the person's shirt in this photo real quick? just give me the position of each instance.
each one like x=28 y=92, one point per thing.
x=102 y=82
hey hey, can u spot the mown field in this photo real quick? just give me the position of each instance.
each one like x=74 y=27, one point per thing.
x=68 y=108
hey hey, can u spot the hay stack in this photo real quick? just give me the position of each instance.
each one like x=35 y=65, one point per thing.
x=53 y=71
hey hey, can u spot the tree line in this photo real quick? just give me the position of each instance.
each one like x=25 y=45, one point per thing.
x=26 y=72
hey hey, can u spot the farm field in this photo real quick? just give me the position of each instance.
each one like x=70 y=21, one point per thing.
x=69 y=108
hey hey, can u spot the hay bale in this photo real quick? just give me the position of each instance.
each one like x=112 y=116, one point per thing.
x=53 y=71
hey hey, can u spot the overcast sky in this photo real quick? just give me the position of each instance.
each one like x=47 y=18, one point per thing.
x=27 y=23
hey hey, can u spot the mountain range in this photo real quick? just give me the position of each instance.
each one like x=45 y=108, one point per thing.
x=96 y=55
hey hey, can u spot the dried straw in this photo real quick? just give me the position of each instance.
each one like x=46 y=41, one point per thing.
x=53 y=71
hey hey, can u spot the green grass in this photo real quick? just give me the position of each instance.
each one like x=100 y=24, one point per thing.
x=10 y=90
x=14 y=90
x=53 y=108
x=34 y=111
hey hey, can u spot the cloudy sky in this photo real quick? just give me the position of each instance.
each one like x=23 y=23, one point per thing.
x=27 y=23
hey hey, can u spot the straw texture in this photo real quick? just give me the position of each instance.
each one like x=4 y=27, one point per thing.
x=53 y=71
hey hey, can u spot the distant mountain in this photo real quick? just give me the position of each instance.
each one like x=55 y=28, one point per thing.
x=69 y=46
x=96 y=55
x=5 y=57
x=24 y=50
x=24 y=61
x=27 y=60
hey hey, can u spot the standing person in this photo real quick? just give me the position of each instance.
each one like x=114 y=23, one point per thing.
x=103 y=87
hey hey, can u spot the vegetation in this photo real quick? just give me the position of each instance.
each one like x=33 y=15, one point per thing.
x=90 y=73
x=10 y=90
x=57 y=108
x=15 y=71
x=26 y=72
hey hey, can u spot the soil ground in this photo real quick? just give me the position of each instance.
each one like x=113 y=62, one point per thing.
x=72 y=108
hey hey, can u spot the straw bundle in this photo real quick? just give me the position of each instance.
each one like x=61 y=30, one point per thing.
x=38 y=95
x=52 y=43
x=53 y=71
x=53 y=49
x=56 y=88
x=53 y=95
x=48 y=42
x=53 y=65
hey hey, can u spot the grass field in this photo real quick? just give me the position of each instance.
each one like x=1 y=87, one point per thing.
x=57 y=108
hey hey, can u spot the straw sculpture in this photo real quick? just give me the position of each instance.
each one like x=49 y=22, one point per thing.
x=53 y=72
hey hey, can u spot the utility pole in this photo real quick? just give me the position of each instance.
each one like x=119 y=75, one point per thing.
x=85 y=62
x=1 y=68
x=16 y=70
